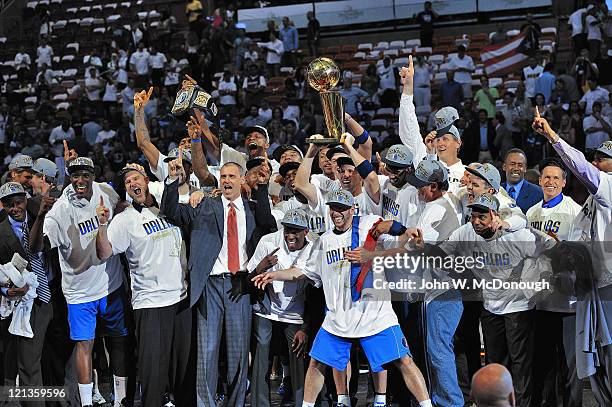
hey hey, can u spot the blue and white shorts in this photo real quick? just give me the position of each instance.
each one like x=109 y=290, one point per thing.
x=105 y=316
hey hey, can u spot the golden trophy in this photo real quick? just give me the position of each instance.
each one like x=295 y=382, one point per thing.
x=323 y=75
x=193 y=97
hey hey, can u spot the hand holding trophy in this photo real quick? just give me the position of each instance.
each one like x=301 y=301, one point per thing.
x=192 y=95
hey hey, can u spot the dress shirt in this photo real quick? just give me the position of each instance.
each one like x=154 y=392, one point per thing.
x=221 y=265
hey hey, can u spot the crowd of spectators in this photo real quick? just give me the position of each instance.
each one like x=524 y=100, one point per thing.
x=261 y=81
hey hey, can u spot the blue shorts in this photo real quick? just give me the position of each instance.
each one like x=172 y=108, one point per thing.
x=380 y=349
x=105 y=316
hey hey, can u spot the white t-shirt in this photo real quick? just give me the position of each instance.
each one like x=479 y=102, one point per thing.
x=286 y=297
x=559 y=220
x=45 y=55
x=387 y=77
x=364 y=205
x=157 y=61
x=105 y=135
x=273 y=57
x=465 y=62
x=141 y=62
x=598 y=94
x=153 y=248
x=593 y=30
x=229 y=99
x=402 y=205
x=502 y=258
x=455 y=173
x=316 y=221
x=594 y=140
x=324 y=183
x=508 y=210
x=72 y=226
x=93 y=95
x=531 y=76
x=422 y=75
x=22 y=61
x=110 y=93
x=327 y=267
x=575 y=20
x=595 y=222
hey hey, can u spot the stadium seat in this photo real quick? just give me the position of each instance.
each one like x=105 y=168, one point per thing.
x=404 y=52
x=378 y=124
x=359 y=55
x=365 y=47
x=381 y=46
x=462 y=41
x=549 y=30
x=512 y=33
x=60 y=97
x=68 y=58
x=363 y=67
x=436 y=59
x=495 y=82
x=444 y=67
x=30 y=100
x=413 y=43
x=399 y=62
x=423 y=51
x=440 y=77
x=397 y=44
x=391 y=53
x=384 y=113
x=63 y=106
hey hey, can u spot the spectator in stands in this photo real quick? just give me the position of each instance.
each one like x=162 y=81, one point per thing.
x=583 y=69
x=251 y=56
x=577 y=22
x=290 y=112
x=240 y=45
x=545 y=84
x=275 y=124
x=597 y=128
x=44 y=54
x=595 y=94
x=576 y=114
x=388 y=83
x=157 y=62
x=570 y=84
x=469 y=111
x=140 y=65
x=265 y=110
x=127 y=96
x=559 y=101
x=289 y=37
x=60 y=133
x=530 y=75
x=109 y=97
x=370 y=81
x=92 y=60
x=44 y=108
x=604 y=64
x=352 y=95
x=594 y=31
x=451 y=91
x=312 y=33
x=136 y=36
x=106 y=136
x=253 y=119
x=499 y=36
x=253 y=86
x=291 y=134
x=90 y=130
x=274 y=49
x=485 y=97
x=422 y=82
x=545 y=111
x=227 y=92
x=479 y=140
x=566 y=131
x=426 y=19
x=166 y=29
x=503 y=136
x=463 y=65
x=22 y=65
x=534 y=30
x=93 y=88
x=194 y=12
x=45 y=25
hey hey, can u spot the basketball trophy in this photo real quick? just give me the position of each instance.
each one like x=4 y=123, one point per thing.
x=323 y=75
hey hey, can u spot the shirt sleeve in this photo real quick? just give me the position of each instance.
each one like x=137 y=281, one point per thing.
x=161 y=171
x=118 y=236
x=586 y=172
x=409 y=130
x=428 y=221
x=312 y=270
x=260 y=252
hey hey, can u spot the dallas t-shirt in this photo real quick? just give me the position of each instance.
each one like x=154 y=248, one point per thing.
x=72 y=226
x=327 y=267
x=156 y=255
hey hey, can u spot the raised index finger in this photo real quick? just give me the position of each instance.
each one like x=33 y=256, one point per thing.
x=410 y=64
x=101 y=201
x=190 y=79
x=65 y=147
x=537 y=112
x=180 y=155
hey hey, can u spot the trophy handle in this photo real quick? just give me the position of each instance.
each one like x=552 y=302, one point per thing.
x=333 y=111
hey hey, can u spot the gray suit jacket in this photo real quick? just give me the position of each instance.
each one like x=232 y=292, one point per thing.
x=206 y=224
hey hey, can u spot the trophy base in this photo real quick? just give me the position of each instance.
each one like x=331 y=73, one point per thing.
x=328 y=140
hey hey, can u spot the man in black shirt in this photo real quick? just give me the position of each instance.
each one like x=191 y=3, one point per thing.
x=426 y=18
x=604 y=64
x=312 y=33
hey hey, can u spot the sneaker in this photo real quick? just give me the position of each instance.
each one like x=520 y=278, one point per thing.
x=97 y=398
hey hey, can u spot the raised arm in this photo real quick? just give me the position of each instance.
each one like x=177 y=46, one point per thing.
x=365 y=169
x=104 y=248
x=36 y=241
x=142 y=132
x=198 y=129
x=409 y=130
x=586 y=172
x=361 y=135
x=263 y=212
x=302 y=177
x=179 y=215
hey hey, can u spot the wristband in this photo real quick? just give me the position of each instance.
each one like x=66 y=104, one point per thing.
x=196 y=140
x=397 y=229
x=365 y=168
x=363 y=138
x=103 y=224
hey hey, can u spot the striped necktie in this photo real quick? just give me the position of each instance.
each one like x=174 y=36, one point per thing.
x=43 y=291
x=512 y=192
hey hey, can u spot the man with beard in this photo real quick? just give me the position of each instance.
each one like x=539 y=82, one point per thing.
x=156 y=254
x=444 y=142
x=354 y=309
x=284 y=308
x=284 y=154
x=94 y=291
x=594 y=221
x=508 y=316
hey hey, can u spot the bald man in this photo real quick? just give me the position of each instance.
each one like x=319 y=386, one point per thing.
x=492 y=387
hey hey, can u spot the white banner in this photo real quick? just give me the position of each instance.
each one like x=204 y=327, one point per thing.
x=350 y=12
x=408 y=8
x=256 y=19
x=494 y=5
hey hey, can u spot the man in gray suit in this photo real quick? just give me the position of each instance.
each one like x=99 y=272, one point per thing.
x=221 y=230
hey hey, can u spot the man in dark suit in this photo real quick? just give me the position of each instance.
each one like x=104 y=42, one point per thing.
x=479 y=140
x=522 y=191
x=221 y=230
x=39 y=360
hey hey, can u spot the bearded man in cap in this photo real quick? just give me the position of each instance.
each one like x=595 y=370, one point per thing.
x=94 y=291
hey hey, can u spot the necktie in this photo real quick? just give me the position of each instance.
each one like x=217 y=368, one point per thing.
x=233 y=259
x=512 y=192
x=37 y=267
